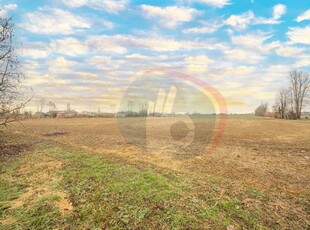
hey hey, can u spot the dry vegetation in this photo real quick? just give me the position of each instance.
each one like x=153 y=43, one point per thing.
x=258 y=177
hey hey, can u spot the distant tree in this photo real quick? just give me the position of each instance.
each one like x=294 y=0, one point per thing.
x=261 y=110
x=41 y=103
x=300 y=89
x=143 y=110
x=282 y=103
x=12 y=96
x=27 y=114
x=51 y=106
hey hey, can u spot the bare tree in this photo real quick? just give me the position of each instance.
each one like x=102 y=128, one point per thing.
x=282 y=103
x=300 y=87
x=12 y=98
x=52 y=106
x=41 y=104
x=261 y=110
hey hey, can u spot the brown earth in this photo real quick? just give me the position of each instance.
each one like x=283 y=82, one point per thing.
x=266 y=154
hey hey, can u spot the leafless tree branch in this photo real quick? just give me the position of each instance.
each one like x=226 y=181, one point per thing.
x=12 y=96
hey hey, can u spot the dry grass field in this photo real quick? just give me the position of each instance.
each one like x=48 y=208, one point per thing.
x=257 y=178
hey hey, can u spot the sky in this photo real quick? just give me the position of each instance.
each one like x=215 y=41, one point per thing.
x=88 y=52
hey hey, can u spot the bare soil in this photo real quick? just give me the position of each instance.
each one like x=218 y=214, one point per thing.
x=272 y=156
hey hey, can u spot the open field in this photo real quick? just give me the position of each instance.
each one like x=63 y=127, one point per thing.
x=80 y=173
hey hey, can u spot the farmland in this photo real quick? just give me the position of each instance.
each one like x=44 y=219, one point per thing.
x=80 y=173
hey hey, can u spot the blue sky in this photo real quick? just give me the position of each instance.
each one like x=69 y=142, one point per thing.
x=87 y=52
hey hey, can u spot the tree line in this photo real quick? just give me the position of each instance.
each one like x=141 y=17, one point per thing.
x=291 y=100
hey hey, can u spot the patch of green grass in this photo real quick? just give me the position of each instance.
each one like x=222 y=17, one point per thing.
x=211 y=212
x=103 y=193
x=116 y=195
x=9 y=190
x=49 y=198
x=227 y=212
x=259 y=195
x=33 y=214
x=235 y=210
x=42 y=215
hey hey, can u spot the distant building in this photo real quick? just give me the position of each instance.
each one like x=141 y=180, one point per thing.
x=52 y=114
x=88 y=114
x=305 y=115
x=120 y=115
x=39 y=115
x=67 y=114
x=106 y=115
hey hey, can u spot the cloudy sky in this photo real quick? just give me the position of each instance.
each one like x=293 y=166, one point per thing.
x=87 y=52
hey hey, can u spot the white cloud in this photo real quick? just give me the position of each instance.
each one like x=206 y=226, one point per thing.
x=120 y=43
x=60 y=65
x=265 y=21
x=278 y=11
x=103 y=63
x=105 y=43
x=239 y=71
x=111 y=6
x=69 y=46
x=248 y=18
x=303 y=16
x=139 y=57
x=35 y=50
x=86 y=75
x=107 y=24
x=170 y=16
x=290 y=51
x=243 y=56
x=200 y=30
x=251 y=47
x=198 y=63
x=198 y=60
x=75 y=3
x=252 y=39
x=276 y=71
x=299 y=35
x=30 y=66
x=302 y=63
x=34 y=79
x=4 y=10
x=99 y=60
x=255 y=41
x=206 y=28
x=240 y=21
x=215 y=3
x=54 y=21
